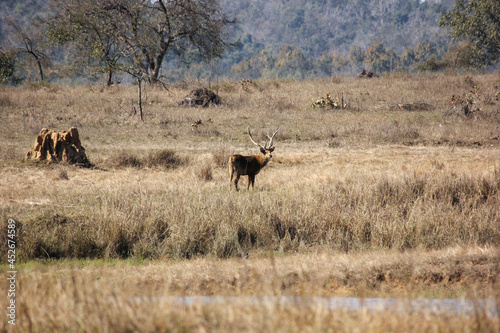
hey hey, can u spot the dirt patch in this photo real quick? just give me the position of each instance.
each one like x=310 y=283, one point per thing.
x=419 y=106
x=55 y=147
x=201 y=96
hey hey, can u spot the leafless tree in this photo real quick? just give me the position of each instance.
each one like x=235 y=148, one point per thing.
x=27 y=42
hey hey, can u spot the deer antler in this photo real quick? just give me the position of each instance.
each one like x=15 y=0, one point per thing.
x=272 y=137
x=255 y=143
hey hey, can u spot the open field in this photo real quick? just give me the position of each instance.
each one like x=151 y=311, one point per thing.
x=397 y=195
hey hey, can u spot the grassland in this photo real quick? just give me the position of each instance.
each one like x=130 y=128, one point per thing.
x=396 y=195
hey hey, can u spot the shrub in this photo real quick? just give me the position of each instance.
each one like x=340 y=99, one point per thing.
x=165 y=158
x=124 y=160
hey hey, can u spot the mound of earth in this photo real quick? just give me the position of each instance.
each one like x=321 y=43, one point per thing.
x=201 y=96
x=368 y=74
x=55 y=147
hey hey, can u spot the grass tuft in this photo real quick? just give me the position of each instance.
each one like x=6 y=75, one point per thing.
x=165 y=158
x=221 y=155
x=127 y=160
x=205 y=173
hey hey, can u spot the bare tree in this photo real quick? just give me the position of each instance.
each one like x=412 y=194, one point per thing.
x=28 y=42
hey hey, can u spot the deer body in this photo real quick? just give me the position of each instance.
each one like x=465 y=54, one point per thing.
x=240 y=165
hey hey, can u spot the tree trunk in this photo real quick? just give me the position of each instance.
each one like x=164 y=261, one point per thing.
x=155 y=74
x=37 y=59
x=139 y=81
x=40 y=69
x=155 y=71
x=110 y=78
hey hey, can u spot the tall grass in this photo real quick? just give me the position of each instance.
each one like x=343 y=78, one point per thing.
x=408 y=212
x=90 y=309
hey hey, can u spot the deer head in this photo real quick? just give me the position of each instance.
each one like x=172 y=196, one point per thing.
x=264 y=150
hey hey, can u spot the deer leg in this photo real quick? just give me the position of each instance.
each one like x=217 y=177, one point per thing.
x=236 y=181
x=230 y=176
x=251 y=181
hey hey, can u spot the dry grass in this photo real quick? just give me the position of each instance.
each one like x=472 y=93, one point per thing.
x=104 y=116
x=375 y=200
x=166 y=159
x=350 y=200
x=96 y=296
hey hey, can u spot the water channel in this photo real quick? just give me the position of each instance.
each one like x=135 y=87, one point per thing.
x=432 y=306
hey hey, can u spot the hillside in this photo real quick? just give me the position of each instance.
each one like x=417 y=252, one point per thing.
x=324 y=26
x=290 y=39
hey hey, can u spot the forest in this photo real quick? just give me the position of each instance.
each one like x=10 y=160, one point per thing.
x=268 y=39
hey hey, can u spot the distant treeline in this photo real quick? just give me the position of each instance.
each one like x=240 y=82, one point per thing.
x=275 y=39
x=297 y=39
x=291 y=62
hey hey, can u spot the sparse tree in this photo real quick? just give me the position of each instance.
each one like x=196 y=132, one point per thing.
x=325 y=64
x=134 y=36
x=381 y=59
x=141 y=32
x=477 y=22
x=28 y=42
x=292 y=63
x=83 y=28
x=357 y=55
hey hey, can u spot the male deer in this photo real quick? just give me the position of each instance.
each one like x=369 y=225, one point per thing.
x=250 y=165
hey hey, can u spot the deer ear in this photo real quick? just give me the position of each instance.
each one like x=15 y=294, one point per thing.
x=262 y=150
x=271 y=149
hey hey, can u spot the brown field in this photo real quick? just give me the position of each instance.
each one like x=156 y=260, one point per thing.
x=397 y=195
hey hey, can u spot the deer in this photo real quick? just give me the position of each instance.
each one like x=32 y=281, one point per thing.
x=250 y=166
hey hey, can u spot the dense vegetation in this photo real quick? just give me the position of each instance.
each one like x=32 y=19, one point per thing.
x=271 y=39
x=296 y=40
x=284 y=39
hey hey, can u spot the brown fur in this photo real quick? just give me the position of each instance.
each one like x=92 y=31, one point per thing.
x=248 y=166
